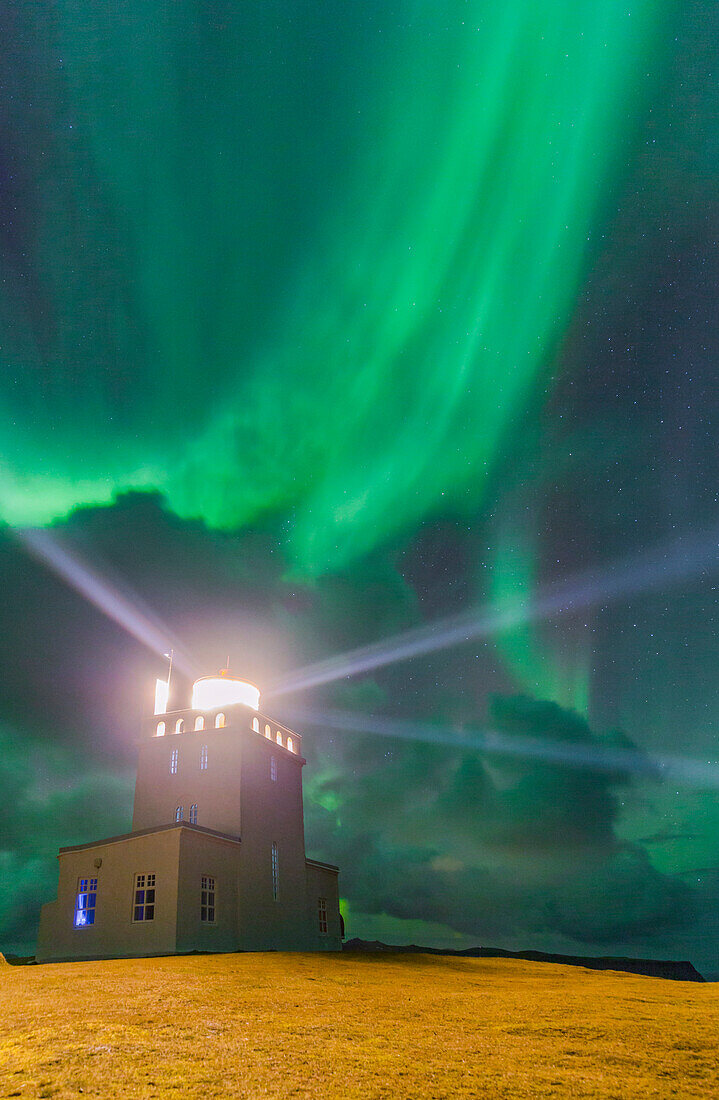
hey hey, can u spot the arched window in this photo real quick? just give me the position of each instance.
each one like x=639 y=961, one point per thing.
x=160 y=731
x=256 y=725
x=179 y=813
x=278 y=737
x=275 y=872
x=290 y=744
x=179 y=725
x=219 y=721
x=268 y=732
x=199 y=722
x=193 y=814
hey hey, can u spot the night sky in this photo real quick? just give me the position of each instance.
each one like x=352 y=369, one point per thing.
x=386 y=327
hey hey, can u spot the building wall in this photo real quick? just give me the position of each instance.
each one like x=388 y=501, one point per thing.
x=206 y=855
x=323 y=883
x=272 y=811
x=114 y=933
x=216 y=790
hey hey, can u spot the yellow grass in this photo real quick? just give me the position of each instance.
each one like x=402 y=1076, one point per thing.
x=317 y=1026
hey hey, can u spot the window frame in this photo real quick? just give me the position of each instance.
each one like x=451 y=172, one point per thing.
x=273 y=768
x=208 y=899
x=144 y=883
x=193 y=814
x=179 y=814
x=174 y=761
x=275 y=858
x=322 y=916
x=89 y=908
x=203 y=758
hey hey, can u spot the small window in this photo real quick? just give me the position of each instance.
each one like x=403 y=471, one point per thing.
x=256 y=725
x=290 y=744
x=179 y=813
x=85 y=902
x=144 y=902
x=268 y=732
x=219 y=721
x=193 y=814
x=278 y=737
x=207 y=899
x=275 y=872
x=199 y=722
x=322 y=913
x=203 y=758
x=273 y=769
x=160 y=731
x=180 y=725
x=173 y=761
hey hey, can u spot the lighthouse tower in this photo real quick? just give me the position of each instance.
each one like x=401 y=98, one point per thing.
x=216 y=857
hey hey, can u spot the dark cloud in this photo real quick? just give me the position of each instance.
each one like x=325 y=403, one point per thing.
x=491 y=848
x=54 y=796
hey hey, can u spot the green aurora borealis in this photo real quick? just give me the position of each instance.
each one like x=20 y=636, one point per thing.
x=322 y=321
x=259 y=278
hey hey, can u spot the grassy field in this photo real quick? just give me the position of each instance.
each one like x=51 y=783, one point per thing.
x=284 y=1025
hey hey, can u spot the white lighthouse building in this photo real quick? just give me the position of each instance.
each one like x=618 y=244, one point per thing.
x=216 y=857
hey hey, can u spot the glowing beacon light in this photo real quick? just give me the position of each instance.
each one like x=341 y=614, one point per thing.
x=223 y=690
x=162 y=691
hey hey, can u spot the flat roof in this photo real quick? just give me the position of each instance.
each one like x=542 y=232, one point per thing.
x=324 y=866
x=147 y=832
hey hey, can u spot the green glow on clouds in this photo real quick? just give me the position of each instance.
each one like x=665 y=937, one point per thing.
x=560 y=675
x=279 y=260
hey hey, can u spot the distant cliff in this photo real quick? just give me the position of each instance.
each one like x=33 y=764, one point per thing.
x=652 y=968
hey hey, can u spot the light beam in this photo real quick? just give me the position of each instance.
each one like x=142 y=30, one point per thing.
x=663 y=565
x=112 y=598
x=686 y=771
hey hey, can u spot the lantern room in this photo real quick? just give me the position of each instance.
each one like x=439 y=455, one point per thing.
x=222 y=690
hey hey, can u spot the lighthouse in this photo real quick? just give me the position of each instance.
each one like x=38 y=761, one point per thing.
x=216 y=858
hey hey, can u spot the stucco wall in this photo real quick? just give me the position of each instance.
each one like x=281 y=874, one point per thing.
x=216 y=789
x=272 y=811
x=205 y=855
x=114 y=933
x=323 y=883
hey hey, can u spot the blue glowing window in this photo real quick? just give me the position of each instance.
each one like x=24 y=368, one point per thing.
x=203 y=758
x=85 y=902
x=193 y=814
x=179 y=813
x=273 y=769
x=144 y=898
x=173 y=762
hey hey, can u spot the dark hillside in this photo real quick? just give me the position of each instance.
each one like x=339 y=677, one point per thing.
x=653 y=968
